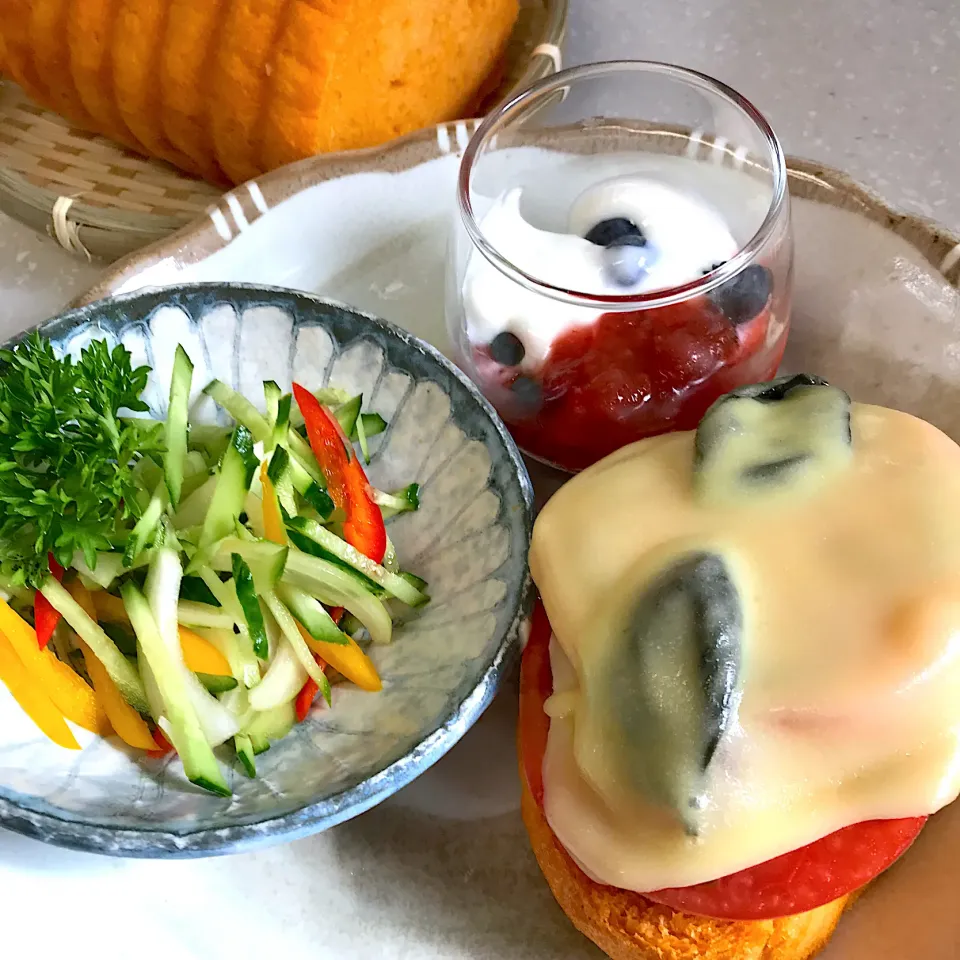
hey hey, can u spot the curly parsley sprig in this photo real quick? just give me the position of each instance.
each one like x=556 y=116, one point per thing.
x=67 y=458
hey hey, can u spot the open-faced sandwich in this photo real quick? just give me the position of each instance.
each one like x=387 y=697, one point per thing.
x=739 y=699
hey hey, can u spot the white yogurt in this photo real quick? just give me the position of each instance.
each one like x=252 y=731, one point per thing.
x=684 y=235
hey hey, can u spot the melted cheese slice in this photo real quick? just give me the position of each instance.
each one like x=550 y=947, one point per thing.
x=850 y=671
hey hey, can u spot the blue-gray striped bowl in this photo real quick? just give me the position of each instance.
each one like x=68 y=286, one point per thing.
x=469 y=540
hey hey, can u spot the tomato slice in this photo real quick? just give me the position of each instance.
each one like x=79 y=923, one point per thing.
x=792 y=883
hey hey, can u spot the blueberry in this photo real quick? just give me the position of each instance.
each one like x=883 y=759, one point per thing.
x=626 y=260
x=507 y=349
x=614 y=229
x=745 y=296
x=527 y=391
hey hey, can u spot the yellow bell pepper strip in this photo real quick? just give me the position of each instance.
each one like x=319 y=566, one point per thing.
x=109 y=608
x=272 y=519
x=126 y=722
x=25 y=689
x=201 y=656
x=347 y=659
x=67 y=689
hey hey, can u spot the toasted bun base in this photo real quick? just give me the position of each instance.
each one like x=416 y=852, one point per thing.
x=627 y=927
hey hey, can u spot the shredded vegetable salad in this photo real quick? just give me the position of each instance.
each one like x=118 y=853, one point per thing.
x=180 y=585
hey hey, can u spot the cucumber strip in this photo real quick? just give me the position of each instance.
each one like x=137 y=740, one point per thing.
x=243 y=665
x=245 y=413
x=193 y=614
x=282 y=422
x=395 y=584
x=370 y=423
x=196 y=472
x=331 y=397
x=176 y=426
x=349 y=625
x=124 y=639
x=227 y=595
x=147 y=474
x=289 y=628
x=146 y=527
x=245 y=755
x=347 y=413
x=239 y=407
x=237 y=703
x=280 y=474
x=403 y=501
x=252 y=614
x=121 y=671
x=182 y=726
x=162 y=588
x=271 y=399
x=211 y=439
x=233 y=482
x=288 y=472
x=303 y=543
x=214 y=683
x=267 y=559
x=279 y=465
x=304 y=457
x=312 y=614
x=390 y=561
x=272 y=724
x=194 y=463
x=193 y=588
x=157 y=709
x=192 y=483
x=339 y=587
x=109 y=566
x=193 y=509
x=318 y=498
x=362 y=437
x=282 y=681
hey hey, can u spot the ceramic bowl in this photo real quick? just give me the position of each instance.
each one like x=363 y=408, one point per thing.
x=469 y=540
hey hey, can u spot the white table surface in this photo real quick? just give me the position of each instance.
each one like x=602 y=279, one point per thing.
x=866 y=85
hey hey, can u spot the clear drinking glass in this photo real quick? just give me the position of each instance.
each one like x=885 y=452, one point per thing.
x=621 y=256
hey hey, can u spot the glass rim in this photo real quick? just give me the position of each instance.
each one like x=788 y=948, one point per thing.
x=632 y=301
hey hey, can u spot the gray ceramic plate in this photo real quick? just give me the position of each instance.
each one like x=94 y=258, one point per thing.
x=468 y=539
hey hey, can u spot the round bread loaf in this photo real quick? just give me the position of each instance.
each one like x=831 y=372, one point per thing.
x=628 y=927
x=228 y=89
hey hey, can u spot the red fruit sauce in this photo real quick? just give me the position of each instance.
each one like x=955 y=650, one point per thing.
x=633 y=375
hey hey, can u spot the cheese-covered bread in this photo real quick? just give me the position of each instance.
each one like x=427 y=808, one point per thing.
x=628 y=927
x=754 y=656
x=754 y=632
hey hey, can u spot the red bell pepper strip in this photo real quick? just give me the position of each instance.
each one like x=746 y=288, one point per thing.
x=347 y=483
x=164 y=746
x=45 y=617
x=307 y=694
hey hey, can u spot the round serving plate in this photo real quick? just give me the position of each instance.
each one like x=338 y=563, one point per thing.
x=98 y=199
x=876 y=309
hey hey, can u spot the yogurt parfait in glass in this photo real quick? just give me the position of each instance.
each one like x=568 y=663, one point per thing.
x=621 y=256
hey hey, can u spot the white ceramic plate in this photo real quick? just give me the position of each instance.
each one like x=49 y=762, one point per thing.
x=876 y=310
